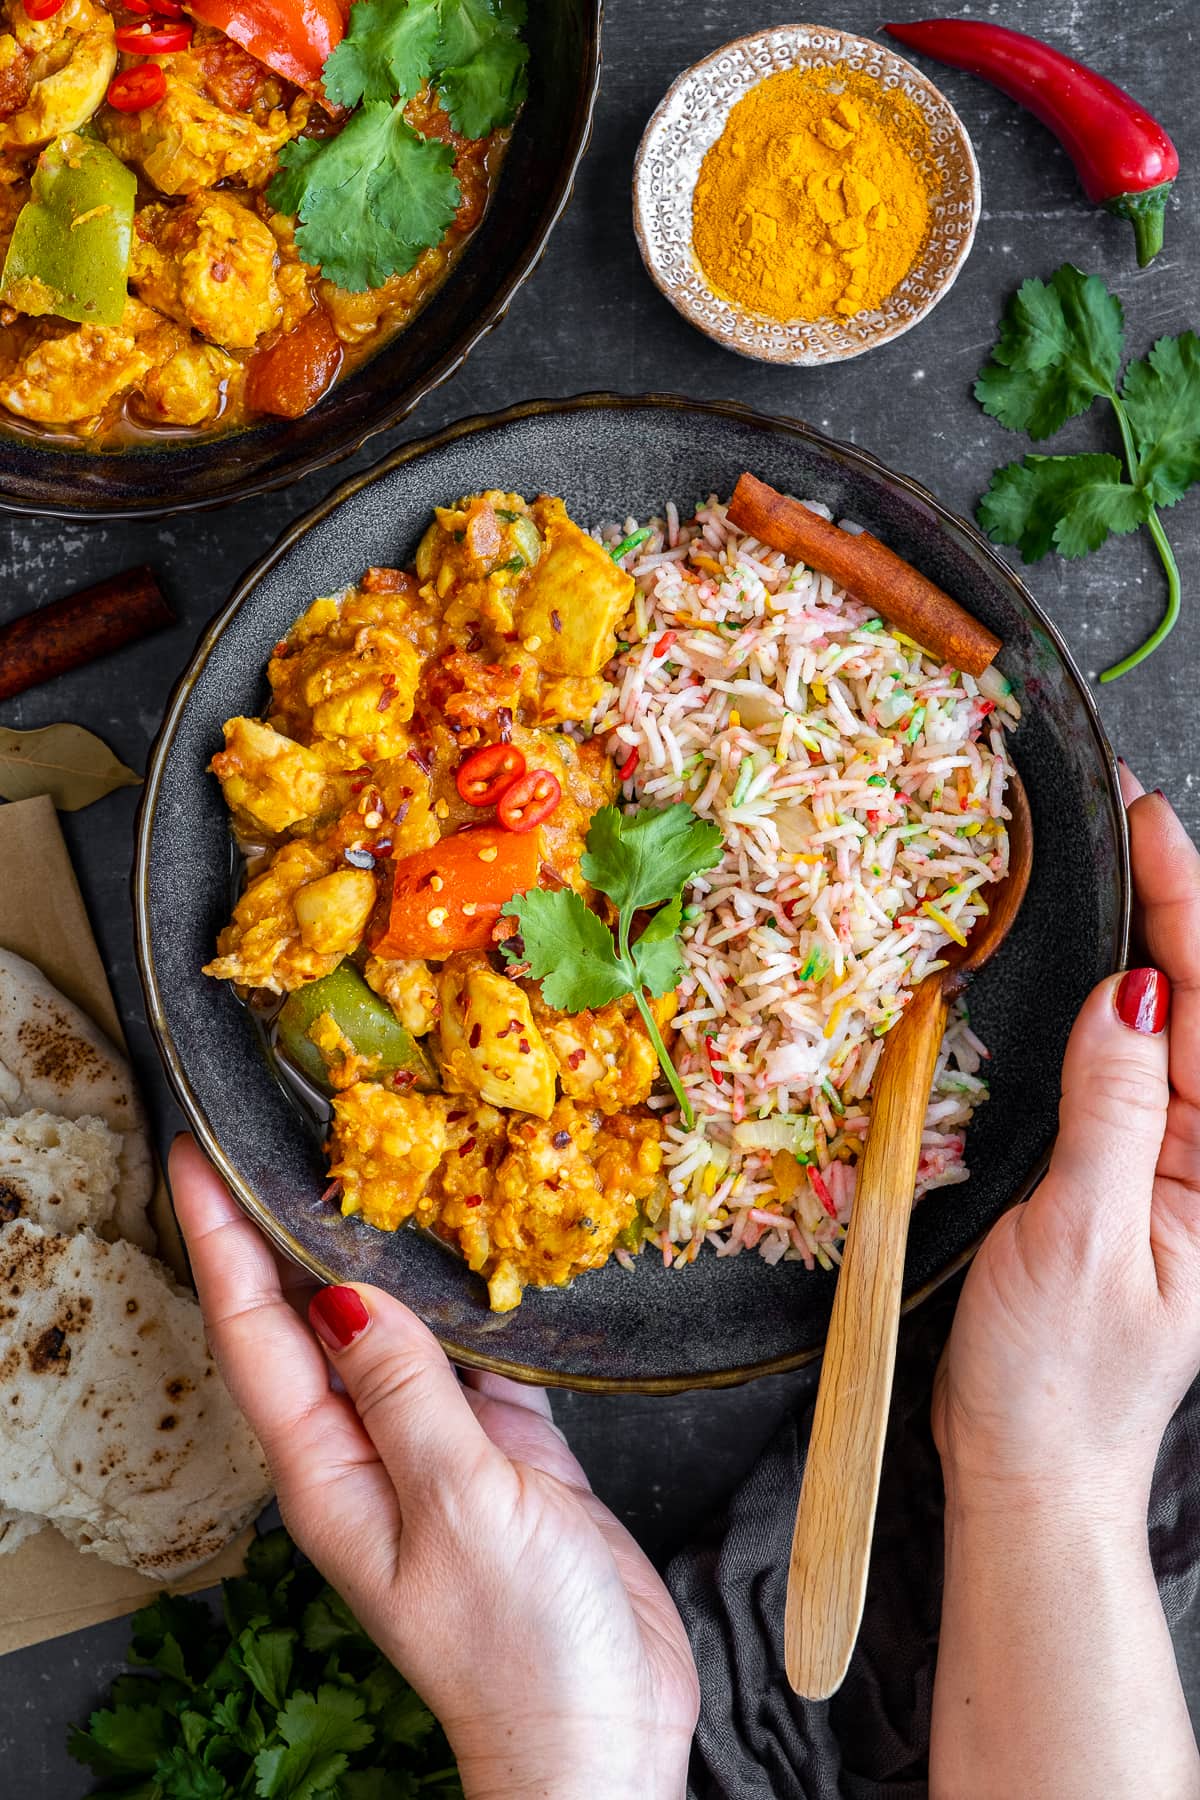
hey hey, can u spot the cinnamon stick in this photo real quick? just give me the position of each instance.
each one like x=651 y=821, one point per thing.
x=82 y=626
x=869 y=571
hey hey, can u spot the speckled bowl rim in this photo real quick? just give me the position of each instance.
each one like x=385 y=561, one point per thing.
x=443 y=370
x=886 y=334
x=243 y=594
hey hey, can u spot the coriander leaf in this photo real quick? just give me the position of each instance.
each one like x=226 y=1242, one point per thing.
x=269 y=1557
x=569 y=949
x=1059 y=348
x=183 y=1776
x=482 y=62
x=174 y=1635
x=1064 y=503
x=399 y=1714
x=267 y=1659
x=1161 y=396
x=374 y=197
x=639 y=859
x=328 y=1623
x=125 y=1740
x=657 y=956
x=319 y=1732
x=294 y=163
x=390 y=48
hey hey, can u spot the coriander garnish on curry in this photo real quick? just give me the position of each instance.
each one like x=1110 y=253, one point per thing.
x=204 y=224
x=416 y=778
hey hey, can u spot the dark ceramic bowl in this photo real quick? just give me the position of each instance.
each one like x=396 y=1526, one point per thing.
x=535 y=186
x=719 y=1321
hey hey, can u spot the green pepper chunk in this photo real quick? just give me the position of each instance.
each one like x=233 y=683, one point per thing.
x=70 y=247
x=363 y=1018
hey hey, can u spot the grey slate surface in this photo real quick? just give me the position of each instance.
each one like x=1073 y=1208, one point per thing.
x=589 y=320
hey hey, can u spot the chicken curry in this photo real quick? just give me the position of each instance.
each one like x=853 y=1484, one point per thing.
x=193 y=234
x=421 y=763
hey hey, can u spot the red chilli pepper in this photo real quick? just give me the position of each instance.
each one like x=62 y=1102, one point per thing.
x=488 y=773
x=821 y=1191
x=664 y=643
x=163 y=9
x=629 y=765
x=133 y=90
x=529 y=801
x=157 y=37
x=42 y=9
x=1123 y=156
x=710 y=1052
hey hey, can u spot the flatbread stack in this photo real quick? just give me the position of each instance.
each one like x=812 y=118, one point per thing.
x=114 y=1423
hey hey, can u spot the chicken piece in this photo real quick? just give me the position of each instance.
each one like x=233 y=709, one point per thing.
x=384 y=1148
x=193 y=387
x=408 y=986
x=187 y=142
x=269 y=782
x=627 y=1157
x=604 y=1057
x=68 y=59
x=209 y=263
x=332 y=912
x=476 y=1145
x=348 y=674
x=71 y=379
x=490 y=1045
x=550 y=1216
x=568 y=609
x=261 y=946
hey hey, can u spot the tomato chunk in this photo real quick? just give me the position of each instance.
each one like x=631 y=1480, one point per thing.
x=449 y=897
x=488 y=773
x=527 y=802
x=291 y=375
x=295 y=38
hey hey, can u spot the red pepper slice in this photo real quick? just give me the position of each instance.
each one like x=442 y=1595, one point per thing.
x=477 y=873
x=1123 y=157
x=488 y=773
x=529 y=801
x=163 y=9
x=629 y=765
x=133 y=90
x=157 y=37
x=42 y=9
x=293 y=37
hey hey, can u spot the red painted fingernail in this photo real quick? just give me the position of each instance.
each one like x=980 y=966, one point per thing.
x=1142 y=1001
x=338 y=1316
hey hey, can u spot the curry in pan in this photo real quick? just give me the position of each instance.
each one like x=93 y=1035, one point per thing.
x=207 y=217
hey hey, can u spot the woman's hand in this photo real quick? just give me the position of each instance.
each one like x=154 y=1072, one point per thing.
x=1078 y=1332
x=455 y=1522
x=1076 y=1337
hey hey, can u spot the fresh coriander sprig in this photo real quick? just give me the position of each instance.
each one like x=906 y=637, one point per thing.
x=639 y=860
x=376 y=194
x=1060 y=347
x=281 y=1695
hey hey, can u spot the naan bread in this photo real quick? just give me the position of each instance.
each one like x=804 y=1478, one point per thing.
x=60 y=1173
x=114 y=1423
x=52 y=1057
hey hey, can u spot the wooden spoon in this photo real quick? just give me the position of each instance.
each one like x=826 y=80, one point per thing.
x=831 y=1548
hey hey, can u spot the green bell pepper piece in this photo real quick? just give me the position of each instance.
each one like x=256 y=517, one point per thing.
x=361 y=1016
x=70 y=247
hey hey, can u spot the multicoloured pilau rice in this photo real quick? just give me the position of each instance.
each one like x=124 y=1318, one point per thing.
x=860 y=788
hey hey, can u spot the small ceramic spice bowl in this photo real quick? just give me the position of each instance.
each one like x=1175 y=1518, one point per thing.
x=691 y=118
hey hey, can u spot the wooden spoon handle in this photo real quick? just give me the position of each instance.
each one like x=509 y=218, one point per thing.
x=831 y=1548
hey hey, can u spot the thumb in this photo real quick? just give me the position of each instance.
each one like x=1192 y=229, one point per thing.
x=402 y=1387
x=1112 y=1114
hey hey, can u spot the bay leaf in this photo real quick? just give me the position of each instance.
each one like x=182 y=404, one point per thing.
x=70 y=764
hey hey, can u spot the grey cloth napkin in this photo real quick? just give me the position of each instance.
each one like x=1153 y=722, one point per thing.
x=756 y=1740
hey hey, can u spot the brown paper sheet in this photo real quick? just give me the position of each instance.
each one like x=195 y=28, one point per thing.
x=47 y=1587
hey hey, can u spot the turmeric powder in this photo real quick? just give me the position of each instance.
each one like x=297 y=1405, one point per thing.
x=814 y=201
